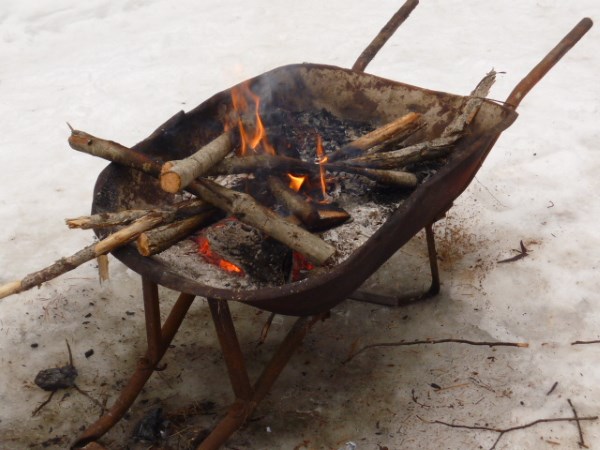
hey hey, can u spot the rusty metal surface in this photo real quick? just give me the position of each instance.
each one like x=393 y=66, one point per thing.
x=310 y=87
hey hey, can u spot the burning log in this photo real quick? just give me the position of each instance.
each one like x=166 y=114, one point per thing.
x=296 y=203
x=243 y=206
x=239 y=249
x=436 y=147
x=159 y=239
x=176 y=175
x=247 y=210
x=63 y=265
x=285 y=164
x=268 y=163
x=330 y=217
x=394 y=129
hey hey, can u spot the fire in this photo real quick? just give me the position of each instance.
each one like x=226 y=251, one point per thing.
x=211 y=257
x=296 y=182
x=322 y=159
x=300 y=265
x=243 y=100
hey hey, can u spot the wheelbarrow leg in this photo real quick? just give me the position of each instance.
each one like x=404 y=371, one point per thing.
x=248 y=397
x=434 y=288
x=159 y=338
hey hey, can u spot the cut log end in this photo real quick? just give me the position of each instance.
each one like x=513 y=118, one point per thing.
x=143 y=245
x=170 y=182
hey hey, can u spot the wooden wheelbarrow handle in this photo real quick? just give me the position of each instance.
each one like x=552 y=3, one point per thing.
x=538 y=72
x=382 y=37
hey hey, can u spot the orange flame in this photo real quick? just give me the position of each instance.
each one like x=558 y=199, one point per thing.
x=211 y=257
x=322 y=159
x=296 y=182
x=256 y=139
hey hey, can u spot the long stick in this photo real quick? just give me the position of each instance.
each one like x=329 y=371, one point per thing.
x=375 y=137
x=241 y=205
x=179 y=210
x=285 y=164
x=63 y=265
x=176 y=175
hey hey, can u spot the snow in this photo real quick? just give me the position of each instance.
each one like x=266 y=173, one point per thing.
x=119 y=69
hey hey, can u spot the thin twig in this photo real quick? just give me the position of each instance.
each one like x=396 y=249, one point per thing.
x=439 y=341
x=503 y=431
x=552 y=388
x=581 y=442
x=597 y=341
x=522 y=253
x=95 y=401
x=44 y=403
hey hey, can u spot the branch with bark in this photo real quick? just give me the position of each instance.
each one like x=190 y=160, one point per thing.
x=502 y=431
x=63 y=265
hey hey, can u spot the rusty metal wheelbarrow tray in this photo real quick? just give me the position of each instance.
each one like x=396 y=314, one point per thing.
x=349 y=94
x=304 y=87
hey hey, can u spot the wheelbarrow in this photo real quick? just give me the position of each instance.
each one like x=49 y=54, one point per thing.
x=351 y=94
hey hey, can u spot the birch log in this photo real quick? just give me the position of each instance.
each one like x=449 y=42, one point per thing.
x=176 y=175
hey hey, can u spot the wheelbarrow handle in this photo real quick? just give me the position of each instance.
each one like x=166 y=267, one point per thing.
x=382 y=37
x=538 y=72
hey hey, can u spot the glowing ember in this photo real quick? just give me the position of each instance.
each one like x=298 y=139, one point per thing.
x=212 y=258
x=241 y=98
x=296 y=182
x=300 y=266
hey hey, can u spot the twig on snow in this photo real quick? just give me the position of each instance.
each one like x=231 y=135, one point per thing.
x=438 y=341
x=522 y=253
x=502 y=431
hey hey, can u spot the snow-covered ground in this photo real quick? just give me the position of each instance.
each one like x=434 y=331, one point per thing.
x=119 y=69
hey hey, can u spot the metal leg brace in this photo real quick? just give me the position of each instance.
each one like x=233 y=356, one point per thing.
x=434 y=288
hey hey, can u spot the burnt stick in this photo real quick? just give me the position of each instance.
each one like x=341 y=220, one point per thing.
x=160 y=238
x=286 y=164
x=294 y=202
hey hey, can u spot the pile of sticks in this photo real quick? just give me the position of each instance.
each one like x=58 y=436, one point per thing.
x=156 y=230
